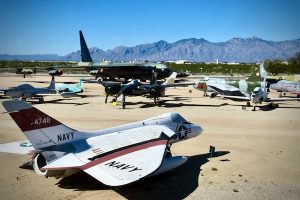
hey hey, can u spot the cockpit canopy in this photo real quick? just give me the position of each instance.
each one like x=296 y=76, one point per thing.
x=176 y=118
x=256 y=90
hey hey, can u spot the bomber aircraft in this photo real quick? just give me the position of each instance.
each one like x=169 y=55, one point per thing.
x=114 y=156
x=143 y=71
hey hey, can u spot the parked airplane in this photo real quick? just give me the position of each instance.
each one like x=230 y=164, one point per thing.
x=114 y=156
x=143 y=71
x=154 y=90
x=26 y=91
x=260 y=95
x=25 y=71
x=285 y=86
x=52 y=71
x=71 y=88
x=231 y=88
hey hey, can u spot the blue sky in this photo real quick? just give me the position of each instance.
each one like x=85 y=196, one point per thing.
x=41 y=26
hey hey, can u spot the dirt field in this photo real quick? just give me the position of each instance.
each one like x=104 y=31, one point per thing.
x=258 y=153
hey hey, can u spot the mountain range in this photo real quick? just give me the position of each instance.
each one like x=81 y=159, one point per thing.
x=234 y=50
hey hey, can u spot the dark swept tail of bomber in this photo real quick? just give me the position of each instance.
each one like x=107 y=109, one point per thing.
x=121 y=70
x=85 y=54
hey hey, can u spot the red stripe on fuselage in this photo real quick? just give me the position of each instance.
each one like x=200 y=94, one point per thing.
x=113 y=155
x=32 y=118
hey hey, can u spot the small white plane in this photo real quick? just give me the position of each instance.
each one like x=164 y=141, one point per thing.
x=114 y=156
x=260 y=95
x=284 y=86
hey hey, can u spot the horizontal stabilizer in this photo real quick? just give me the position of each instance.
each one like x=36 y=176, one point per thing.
x=19 y=147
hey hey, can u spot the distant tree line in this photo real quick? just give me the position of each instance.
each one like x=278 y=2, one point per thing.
x=274 y=67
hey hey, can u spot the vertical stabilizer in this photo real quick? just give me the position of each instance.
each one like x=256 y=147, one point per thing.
x=171 y=79
x=85 y=54
x=255 y=76
x=52 y=84
x=41 y=129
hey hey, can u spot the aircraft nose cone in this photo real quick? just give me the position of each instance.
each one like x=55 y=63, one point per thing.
x=196 y=130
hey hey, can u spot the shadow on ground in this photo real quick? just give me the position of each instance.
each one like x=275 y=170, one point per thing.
x=177 y=184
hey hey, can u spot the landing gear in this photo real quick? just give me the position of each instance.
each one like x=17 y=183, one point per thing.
x=41 y=100
x=247 y=105
x=213 y=95
x=106 y=98
x=157 y=102
x=123 y=101
x=23 y=98
x=168 y=151
x=205 y=94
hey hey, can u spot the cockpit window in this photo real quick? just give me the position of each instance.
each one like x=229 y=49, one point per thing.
x=256 y=90
x=176 y=118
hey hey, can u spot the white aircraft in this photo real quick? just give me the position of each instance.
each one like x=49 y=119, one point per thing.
x=284 y=86
x=260 y=95
x=115 y=156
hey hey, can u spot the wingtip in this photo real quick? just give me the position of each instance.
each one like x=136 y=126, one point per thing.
x=15 y=105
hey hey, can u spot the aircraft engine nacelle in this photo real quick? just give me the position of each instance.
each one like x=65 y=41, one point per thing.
x=170 y=163
x=55 y=72
x=112 y=89
x=157 y=92
x=39 y=162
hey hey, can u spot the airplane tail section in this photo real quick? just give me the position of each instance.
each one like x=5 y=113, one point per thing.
x=52 y=84
x=259 y=74
x=85 y=54
x=262 y=70
x=255 y=76
x=41 y=130
x=171 y=79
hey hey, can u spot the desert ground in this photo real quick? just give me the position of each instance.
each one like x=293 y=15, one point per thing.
x=258 y=153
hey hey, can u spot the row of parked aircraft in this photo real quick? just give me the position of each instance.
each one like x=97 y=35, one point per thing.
x=254 y=89
x=133 y=75
x=124 y=154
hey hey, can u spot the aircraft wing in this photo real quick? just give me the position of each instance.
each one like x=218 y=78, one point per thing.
x=237 y=98
x=282 y=99
x=3 y=89
x=178 y=85
x=19 y=147
x=120 y=158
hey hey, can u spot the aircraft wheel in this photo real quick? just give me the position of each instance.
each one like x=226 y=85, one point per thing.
x=159 y=103
x=280 y=95
x=41 y=100
x=248 y=104
x=253 y=108
x=244 y=107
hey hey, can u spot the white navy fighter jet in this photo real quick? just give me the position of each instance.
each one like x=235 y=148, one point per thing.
x=114 y=156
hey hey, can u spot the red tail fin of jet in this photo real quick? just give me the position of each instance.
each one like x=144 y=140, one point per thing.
x=41 y=129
